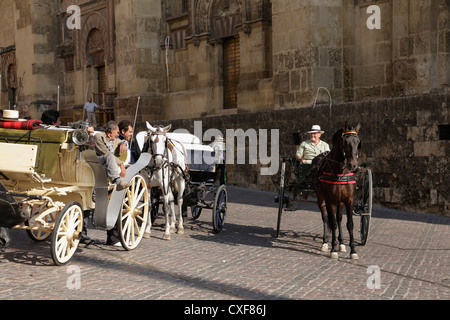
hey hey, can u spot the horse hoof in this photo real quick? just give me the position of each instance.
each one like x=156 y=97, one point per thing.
x=146 y=235
x=180 y=231
x=342 y=248
x=334 y=255
x=354 y=256
x=166 y=236
x=324 y=247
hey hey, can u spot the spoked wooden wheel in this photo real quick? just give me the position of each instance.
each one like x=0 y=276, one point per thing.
x=134 y=214
x=40 y=221
x=363 y=203
x=220 y=208
x=155 y=196
x=281 y=198
x=66 y=233
x=196 y=211
x=366 y=206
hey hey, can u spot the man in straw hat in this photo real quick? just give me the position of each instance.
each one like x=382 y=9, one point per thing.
x=311 y=148
x=308 y=150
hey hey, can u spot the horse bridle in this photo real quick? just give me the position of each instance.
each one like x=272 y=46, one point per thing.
x=163 y=155
x=350 y=133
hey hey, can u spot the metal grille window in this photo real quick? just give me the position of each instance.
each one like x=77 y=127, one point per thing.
x=101 y=79
x=231 y=71
x=184 y=8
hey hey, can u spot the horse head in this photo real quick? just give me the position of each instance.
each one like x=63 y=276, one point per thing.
x=351 y=143
x=158 y=143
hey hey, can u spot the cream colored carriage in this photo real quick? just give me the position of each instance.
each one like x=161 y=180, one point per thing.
x=48 y=184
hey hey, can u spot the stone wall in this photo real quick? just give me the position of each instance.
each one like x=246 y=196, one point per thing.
x=327 y=44
x=401 y=138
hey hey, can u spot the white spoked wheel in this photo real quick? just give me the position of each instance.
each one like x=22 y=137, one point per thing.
x=40 y=221
x=66 y=233
x=134 y=214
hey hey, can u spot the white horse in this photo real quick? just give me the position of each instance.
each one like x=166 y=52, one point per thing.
x=159 y=176
x=169 y=155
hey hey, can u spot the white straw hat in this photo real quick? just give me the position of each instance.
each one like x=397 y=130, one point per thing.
x=315 y=128
x=10 y=115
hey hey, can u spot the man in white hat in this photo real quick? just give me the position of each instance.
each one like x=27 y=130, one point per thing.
x=308 y=150
x=311 y=148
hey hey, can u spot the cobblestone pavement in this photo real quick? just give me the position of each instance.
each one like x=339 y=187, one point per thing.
x=407 y=255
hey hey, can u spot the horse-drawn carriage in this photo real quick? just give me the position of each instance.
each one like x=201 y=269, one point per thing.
x=330 y=171
x=50 y=182
x=184 y=169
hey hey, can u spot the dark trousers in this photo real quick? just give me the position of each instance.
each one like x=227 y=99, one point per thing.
x=112 y=236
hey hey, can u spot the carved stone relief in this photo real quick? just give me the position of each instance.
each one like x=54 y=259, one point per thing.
x=9 y=74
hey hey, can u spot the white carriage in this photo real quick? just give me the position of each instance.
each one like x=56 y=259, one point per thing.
x=49 y=184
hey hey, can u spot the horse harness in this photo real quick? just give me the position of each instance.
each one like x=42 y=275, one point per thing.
x=169 y=146
x=332 y=177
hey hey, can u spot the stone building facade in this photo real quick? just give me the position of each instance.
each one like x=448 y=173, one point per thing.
x=250 y=64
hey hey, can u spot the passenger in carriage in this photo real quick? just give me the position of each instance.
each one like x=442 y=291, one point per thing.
x=104 y=145
x=126 y=134
x=51 y=118
x=220 y=153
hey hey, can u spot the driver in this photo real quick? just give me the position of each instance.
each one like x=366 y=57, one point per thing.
x=308 y=150
x=311 y=148
x=104 y=145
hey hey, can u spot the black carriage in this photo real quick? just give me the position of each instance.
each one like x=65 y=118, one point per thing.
x=296 y=183
x=205 y=187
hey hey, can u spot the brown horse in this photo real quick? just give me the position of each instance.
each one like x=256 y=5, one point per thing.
x=333 y=177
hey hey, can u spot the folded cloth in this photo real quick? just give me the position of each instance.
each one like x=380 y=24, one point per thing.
x=22 y=125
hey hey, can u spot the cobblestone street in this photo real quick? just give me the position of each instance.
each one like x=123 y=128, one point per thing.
x=407 y=255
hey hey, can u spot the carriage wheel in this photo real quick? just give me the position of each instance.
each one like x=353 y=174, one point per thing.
x=220 y=208
x=155 y=205
x=66 y=233
x=48 y=217
x=365 y=206
x=281 y=197
x=196 y=211
x=134 y=214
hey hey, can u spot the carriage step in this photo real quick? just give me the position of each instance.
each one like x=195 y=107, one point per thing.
x=361 y=213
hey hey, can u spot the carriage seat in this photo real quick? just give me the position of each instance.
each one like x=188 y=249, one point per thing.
x=48 y=143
